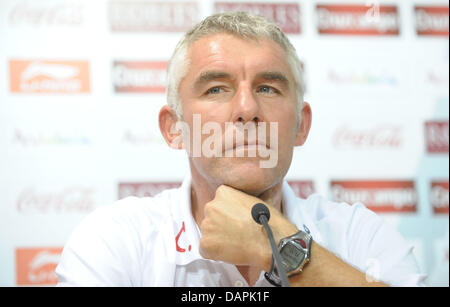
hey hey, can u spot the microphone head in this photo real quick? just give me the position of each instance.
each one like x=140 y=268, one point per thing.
x=259 y=210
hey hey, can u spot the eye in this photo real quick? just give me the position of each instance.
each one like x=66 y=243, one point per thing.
x=265 y=89
x=214 y=90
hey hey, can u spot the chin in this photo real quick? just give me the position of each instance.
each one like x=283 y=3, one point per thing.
x=244 y=174
x=252 y=180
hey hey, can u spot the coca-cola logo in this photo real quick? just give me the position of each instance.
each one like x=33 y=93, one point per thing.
x=146 y=16
x=439 y=196
x=46 y=13
x=303 y=188
x=139 y=77
x=144 y=189
x=432 y=20
x=436 y=136
x=36 y=266
x=383 y=196
x=379 y=137
x=285 y=15
x=357 y=19
x=68 y=200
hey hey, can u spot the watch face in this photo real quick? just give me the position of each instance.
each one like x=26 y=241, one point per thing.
x=292 y=256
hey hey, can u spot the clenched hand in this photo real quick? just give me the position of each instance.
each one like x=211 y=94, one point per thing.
x=230 y=234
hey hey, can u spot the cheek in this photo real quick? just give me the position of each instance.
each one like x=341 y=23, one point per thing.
x=208 y=111
x=287 y=123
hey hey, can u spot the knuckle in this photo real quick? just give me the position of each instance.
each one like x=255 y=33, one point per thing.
x=222 y=190
x=207 y=212
x=204 y=227
x=211 y=208
x=208 y=207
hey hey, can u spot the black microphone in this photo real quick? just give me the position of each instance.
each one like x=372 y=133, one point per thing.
x=261 y=215
x=260 y=210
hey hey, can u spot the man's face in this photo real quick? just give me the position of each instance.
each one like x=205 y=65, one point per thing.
x=231 y=80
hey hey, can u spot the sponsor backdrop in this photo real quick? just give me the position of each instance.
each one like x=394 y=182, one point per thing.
x=81 y=84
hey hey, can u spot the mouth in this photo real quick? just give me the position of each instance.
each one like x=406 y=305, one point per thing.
x=247 y=146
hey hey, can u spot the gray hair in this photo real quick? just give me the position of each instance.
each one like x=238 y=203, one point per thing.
x=240 y=24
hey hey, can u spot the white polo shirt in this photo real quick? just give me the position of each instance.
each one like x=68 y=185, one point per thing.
x=154 y=241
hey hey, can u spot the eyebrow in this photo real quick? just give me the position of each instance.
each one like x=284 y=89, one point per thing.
x=273 y=76
x=210 y=75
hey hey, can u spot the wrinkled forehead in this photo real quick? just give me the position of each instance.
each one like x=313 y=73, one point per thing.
x=233 y=50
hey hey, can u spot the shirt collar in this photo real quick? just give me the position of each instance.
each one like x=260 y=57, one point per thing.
x=187 y=233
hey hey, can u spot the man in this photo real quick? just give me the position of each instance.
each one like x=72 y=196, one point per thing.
x=239 y=74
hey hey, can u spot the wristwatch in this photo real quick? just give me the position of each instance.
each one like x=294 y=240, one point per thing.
x=295 y=252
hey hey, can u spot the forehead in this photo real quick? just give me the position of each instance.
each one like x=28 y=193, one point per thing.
x=228 y=52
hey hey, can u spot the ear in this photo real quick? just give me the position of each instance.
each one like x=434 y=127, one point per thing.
x=305 y=125
x=167 y=124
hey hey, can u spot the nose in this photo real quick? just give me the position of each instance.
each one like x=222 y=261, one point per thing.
x=245 y=107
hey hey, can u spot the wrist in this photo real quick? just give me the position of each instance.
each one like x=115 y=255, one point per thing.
x=295 y=252
x=281 y=228
x=265 y=258
x=280 y=231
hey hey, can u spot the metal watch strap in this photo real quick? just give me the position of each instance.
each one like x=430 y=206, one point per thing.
x=272 y=276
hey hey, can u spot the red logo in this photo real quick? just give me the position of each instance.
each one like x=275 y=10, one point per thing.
x=63 y=77
x=139 y=77
x=146 y=16
x=439 y=197
x=36 y=266
x=144 y=189
x=383 y=136
x=71 y=199
x=285 y=15
x=431 y=20
x=357 y=20
x=436 y=136
x=381 y=196
x=177 y=238
x=302 y=189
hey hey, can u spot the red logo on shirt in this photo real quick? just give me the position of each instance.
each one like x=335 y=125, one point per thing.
x=180 y=249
